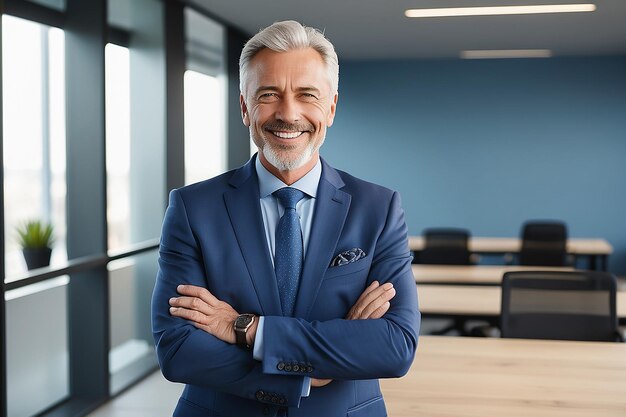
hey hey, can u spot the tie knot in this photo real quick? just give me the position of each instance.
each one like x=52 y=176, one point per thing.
x=289 y=197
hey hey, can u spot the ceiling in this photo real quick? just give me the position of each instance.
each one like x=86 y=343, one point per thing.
x=378 y=29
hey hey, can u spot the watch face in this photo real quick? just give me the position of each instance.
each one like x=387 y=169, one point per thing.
x=243 y=320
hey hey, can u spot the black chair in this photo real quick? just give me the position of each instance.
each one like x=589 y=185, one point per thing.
x=445 y=246
x=577 y=305
x=544 y=243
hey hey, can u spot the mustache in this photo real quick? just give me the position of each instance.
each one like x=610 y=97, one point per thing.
x=277 y=125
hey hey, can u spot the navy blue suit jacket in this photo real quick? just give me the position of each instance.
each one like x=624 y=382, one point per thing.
x=213 y=236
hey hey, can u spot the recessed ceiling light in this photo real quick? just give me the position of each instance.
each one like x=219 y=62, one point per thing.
x=500 y=10
x=507 y=53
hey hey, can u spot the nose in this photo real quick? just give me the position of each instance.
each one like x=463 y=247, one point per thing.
x=288 y=110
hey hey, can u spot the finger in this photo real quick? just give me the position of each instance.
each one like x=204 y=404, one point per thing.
x=370 y=288
x=191 y=303
x=352 y=313
x=377 y=303
x=380 y=311
x=199 y=292
x=363 y=300
x=191 y=315
x=371 y=296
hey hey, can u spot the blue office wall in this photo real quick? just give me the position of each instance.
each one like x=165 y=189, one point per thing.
x=488 y=144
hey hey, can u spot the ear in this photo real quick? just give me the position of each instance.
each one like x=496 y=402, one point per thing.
x=333 y=108
x=244 y=111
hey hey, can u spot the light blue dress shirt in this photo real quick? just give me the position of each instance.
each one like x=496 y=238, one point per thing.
x=271 y=210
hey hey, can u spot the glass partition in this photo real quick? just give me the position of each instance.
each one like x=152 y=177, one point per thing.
x=34 y=134
x=37 y=350
x=132 y=353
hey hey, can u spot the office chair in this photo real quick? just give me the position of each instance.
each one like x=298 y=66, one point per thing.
x=578 y=305
x=544 y=243
x=445 y=246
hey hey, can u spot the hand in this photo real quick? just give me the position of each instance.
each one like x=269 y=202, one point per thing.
x=373 y=302
x=317 y=383
x=205 y=312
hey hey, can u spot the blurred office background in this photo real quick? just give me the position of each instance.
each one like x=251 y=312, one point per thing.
x=108 y=105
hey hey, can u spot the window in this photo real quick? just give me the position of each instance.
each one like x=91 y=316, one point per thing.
x=117 y=92
x=34 y=133
x=205 y=147
x=205 y=98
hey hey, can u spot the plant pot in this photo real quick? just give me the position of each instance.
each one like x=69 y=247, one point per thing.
x=37 y=257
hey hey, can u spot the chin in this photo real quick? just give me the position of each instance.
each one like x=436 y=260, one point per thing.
x=285 y=160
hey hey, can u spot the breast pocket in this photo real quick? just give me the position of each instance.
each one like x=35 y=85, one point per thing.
x=340 y=288
x=342 y=270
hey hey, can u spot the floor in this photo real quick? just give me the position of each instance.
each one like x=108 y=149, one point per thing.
x=152 y=397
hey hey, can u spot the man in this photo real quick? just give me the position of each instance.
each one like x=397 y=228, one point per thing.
x=285 y=286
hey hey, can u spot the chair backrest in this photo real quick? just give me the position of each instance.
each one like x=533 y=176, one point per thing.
x=544 y=243
x=577 y=305
x=445 y=246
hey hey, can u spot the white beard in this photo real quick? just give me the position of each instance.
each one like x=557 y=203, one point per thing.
x=283 y=164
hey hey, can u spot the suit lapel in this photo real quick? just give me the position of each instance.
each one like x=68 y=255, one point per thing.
x=331 y=209
x=244 y=211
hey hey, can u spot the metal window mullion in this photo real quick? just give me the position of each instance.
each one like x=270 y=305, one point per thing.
x=85 y=38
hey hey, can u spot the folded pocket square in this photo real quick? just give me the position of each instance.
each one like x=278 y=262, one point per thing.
x=348 y=256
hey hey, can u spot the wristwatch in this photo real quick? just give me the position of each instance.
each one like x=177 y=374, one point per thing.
x=241 y=326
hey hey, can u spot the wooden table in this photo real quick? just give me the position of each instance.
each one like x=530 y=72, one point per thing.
x=488 y=377
x=597 y=250
x=470 y=274
x=475 y=301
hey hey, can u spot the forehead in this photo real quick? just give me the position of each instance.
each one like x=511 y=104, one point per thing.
x=299 y=66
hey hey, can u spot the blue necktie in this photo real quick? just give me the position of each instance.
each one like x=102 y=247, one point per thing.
x=289 y=251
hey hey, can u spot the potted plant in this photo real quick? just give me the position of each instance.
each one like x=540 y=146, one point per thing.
x=36 y=238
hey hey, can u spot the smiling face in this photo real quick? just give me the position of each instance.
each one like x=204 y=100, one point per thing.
x=288 y=104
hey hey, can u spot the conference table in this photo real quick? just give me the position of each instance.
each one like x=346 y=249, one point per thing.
x=597 y=250
x=470 y=274
x=470 y=302
x=489 y=377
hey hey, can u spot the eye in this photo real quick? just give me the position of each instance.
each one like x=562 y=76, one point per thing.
x=309 y=96
x=268 y=97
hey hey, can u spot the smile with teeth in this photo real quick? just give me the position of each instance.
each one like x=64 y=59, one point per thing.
x=286 y=135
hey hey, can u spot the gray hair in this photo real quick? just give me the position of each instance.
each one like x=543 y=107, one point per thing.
x=285 y=36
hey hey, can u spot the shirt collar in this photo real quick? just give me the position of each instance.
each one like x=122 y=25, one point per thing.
x=268 y=183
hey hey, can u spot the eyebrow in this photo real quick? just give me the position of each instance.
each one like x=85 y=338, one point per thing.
x=308 y=89
x=266 y=88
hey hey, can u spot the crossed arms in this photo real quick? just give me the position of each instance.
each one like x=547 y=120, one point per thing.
x=216 y=317
x=195 y=340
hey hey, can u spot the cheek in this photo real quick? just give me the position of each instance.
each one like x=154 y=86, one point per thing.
x=259 y=115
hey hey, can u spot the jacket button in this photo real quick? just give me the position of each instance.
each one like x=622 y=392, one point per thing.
x=296 y=368
x=288 y=367
x=267 y=398
x=282 y=401
x=309 y=369
x=259 y=395
x=280 y=366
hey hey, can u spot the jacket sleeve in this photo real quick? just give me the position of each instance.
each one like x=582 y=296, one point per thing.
x=190 y=355
x=357 y=349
